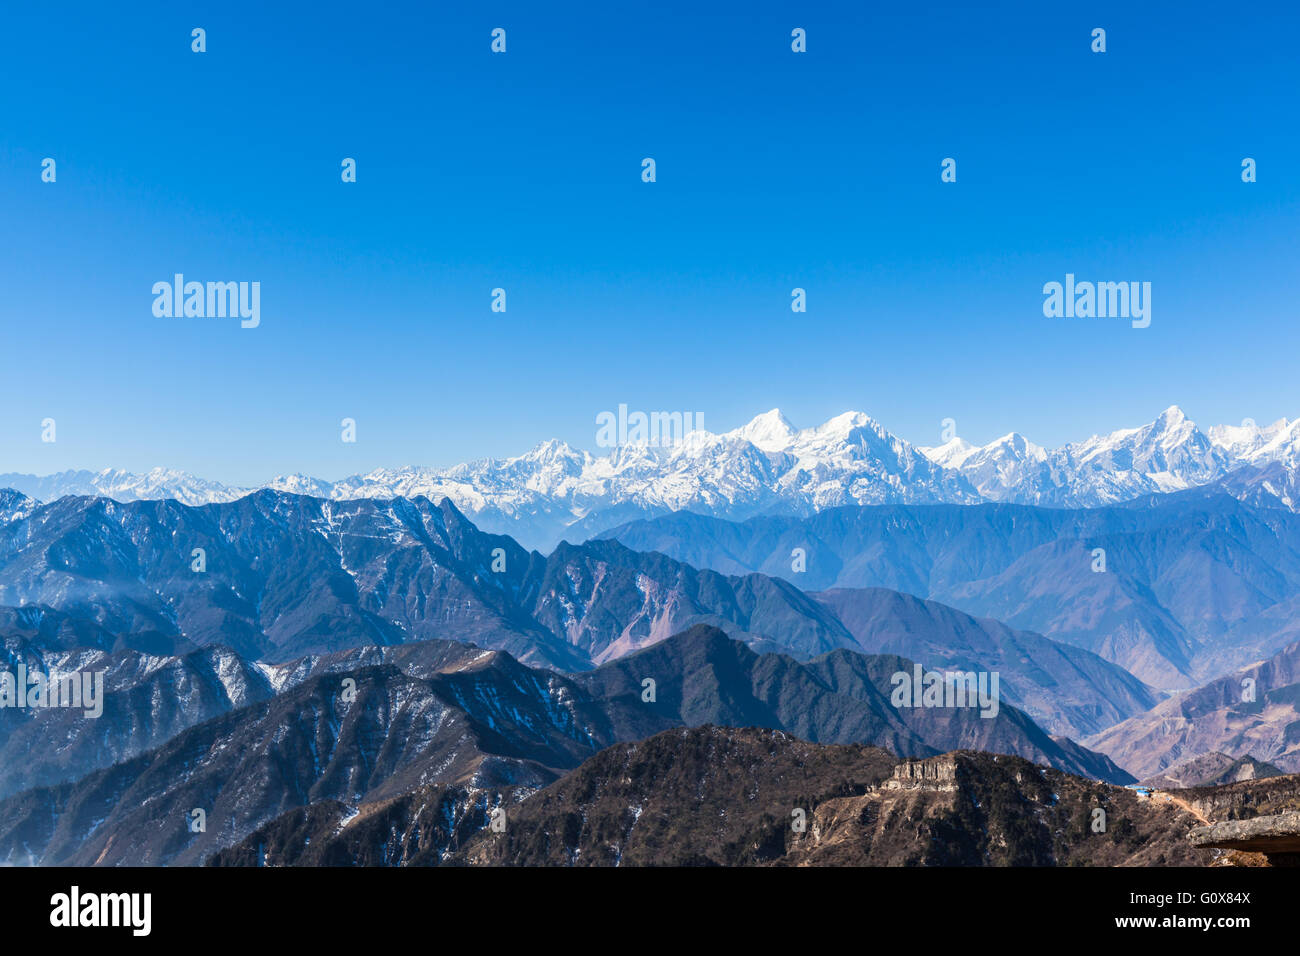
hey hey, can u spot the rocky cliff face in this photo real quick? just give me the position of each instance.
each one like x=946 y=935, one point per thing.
x=937 y=776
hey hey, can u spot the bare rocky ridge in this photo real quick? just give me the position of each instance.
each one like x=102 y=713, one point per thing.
x=726 y=797
x=714 y=796
x=1248 y=823
x=1212 y=769
x=1275 y=837
x=1216 y=719
x=1243 y=800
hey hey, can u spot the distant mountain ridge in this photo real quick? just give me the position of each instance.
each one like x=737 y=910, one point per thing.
x=767 y=466
x=1176 y=588
x=1254 y=713
x=287 y=576
x=703 y=677
x=1212 y=770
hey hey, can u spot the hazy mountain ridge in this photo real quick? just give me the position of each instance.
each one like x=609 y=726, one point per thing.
x=287 y=576
x=703 y=677
x=1178 y=589
x=1065 y=688
x=1221 y=717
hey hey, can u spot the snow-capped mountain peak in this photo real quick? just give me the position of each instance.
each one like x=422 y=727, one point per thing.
x=1258 y=444
x=1280 y=442
x=1171 y=417
x=842 y=425
x=1016 y=444
x=993 y=469
x=299 y=484
x=770 y=431
x=766 y=466
x=951 y=453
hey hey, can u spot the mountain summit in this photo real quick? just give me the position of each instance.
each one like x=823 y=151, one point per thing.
x=770 y=431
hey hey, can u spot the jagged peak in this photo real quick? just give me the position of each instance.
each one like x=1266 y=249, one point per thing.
x=1173 y=415
x=770 y=431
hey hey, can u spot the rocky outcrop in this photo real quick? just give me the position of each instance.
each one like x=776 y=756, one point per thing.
x=1277 y=836
x=938 y=775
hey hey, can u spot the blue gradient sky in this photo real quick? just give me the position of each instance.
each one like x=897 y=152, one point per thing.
x=775 y=170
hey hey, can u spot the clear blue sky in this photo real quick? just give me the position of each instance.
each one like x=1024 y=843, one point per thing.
x=522 y=171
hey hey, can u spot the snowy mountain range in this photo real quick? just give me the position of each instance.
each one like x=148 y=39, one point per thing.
x=1169 y=454
x=769 y=466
